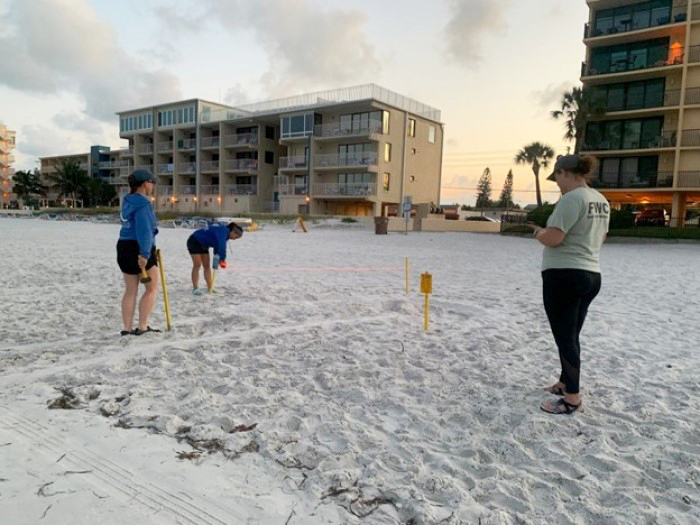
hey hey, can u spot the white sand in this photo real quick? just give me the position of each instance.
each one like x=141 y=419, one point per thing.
x=361 y=416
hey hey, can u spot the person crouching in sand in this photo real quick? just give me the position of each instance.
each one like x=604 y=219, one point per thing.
x=212 y=236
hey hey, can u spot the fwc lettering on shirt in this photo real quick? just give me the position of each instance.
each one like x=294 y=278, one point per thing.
x=598 y=210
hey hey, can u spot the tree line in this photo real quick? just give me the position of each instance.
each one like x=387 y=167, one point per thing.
x=70 y=180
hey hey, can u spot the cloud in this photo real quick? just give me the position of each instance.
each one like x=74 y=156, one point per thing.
x=76 y=122
x=550 y=96
x=470 y=22
x=42 y=140
x=62 y=45
x=308 y=44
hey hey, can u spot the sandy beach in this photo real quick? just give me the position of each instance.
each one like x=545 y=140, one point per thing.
x=305 y=391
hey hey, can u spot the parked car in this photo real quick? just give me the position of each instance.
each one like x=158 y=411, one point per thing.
x=652 y=217
x=482 y=218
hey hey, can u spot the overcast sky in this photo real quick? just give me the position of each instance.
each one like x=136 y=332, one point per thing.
x=495 y=68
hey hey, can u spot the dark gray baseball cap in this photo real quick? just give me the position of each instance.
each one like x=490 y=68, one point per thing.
x=143 y=175
x=567 y=163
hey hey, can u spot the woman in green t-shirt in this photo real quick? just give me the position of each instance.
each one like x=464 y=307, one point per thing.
x=571 y=270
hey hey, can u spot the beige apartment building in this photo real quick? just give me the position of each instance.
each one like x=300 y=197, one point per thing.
x=352 y=151
x=643 y=59
x=7 y=146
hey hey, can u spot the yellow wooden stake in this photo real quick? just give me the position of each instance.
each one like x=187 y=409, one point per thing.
x=426 y=287
x=300 y=222
x=406 y=275
x=168 y=320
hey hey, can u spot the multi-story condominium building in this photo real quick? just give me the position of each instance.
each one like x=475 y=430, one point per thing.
x=7 y=145
x=100 y=161
x=643 y=59
x=351 y=151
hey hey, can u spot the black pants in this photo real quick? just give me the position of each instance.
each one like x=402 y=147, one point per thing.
x=567 y=295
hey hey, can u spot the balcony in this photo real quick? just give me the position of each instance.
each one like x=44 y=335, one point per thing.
x=186 y=167
x=127 y=152
x=667 y=139
x=632 y=63
x=362 y=159
x=210 y=142
x=632 y=180
x=292 y=189
x=642 y=19
x=297 y=162
x=165 y=169
x=165 y=147
x=245 y=165
x=690 y=138
x=209 y=190
x=210 y=166
x=186 y=144
x=145 y=149
x=5 y=146
x=338 y=130
x=357 y=189
x=241 y=140
x=186 y=190
x=164 y=191
x=240 y=189
x=688 y=179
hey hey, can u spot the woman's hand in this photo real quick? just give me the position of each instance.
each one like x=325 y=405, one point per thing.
x=142 y=261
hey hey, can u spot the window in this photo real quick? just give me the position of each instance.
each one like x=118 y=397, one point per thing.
x=431 y=134
x=413 y=151
x=387 y=179
x=385 y=122
x=411 y=127
x=269 y=132
x=412 y=178
x=299 y=125
x=387 y=152
x=269 y=157
x=624 y=134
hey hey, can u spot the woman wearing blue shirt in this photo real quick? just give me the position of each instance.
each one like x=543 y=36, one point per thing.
x=212 y=236
x=136 y=249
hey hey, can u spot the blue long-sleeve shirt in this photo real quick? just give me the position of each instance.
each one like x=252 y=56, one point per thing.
x=138 y=222
x=214 y=236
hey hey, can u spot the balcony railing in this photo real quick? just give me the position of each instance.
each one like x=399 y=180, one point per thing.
x=355 y=189
x=667 y=139
x=343 y=130
x=241 y=165
x=128 y=152
x=241 y=189
x=293 y=162
x=209 y=190
x=692 y=96
x=627 y=24
x=688 y=179
x=672 y=57
x=187 y=190
x=292 y=189
x=165 y=169
x=240 y=139
x=690 y=138
x=186 y=167
x=183 y=144
x=631 y=180
x=208 y=166
x=364 y=158
x=693 y=54
x=145 y=149
x=164 y=191
x=164 y=147
x=210 y=142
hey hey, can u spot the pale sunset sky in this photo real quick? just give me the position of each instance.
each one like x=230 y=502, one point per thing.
x=495 y=68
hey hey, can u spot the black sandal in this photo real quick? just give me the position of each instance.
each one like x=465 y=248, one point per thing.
x=567 y=408
x=126 y=332
x=148 y=329
x=556 y=390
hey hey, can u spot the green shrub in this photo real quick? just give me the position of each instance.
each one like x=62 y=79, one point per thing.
x=620 y=219
x=347 y=219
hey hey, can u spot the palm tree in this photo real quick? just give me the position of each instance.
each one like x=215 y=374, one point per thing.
x=538 y=155
x=579 y=106
x=70 y=179
x=26 y=184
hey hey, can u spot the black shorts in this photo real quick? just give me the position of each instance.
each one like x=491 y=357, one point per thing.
x=128 y=257
x=195 y=247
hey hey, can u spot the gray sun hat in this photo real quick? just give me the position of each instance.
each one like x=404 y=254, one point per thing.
x=143 y=175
